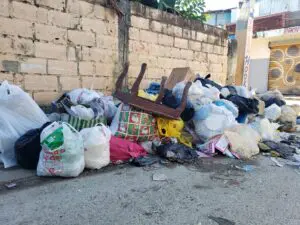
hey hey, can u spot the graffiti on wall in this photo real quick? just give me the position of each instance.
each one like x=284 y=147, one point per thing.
x=284 y=70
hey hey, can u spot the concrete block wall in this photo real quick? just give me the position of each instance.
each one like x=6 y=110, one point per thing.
x=48 y=47
x=51 y=46
x=165 y=41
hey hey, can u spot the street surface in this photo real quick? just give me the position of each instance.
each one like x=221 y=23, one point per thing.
x=210 y=192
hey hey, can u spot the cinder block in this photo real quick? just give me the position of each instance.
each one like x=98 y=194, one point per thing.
x=98 y=83
x=140 y=22
x=50 y=51
x=194 y=45
x=175 y=53
x=23 y=46
x=55 y=4
x=86 y=9
x=181 y=43
x=105 y=69
x=61 y=19
x=6 y=76
x=69 y=83
x=134 y=33
x=107 y=42
x=200 y=56
x=81 y=38
x=6 y=45
x=207 y=48
x=201 y=37
x=24 y=11
x=87 y=68
x=94 y=25
x=165 y=40
x=186 y=54
x=4 y=8
x=34 y=65
x=156 y=26
x=43 y=82
x=16 y=27
x=42 y=15
x=51 y=34
x=62 y=67
x=45 y=97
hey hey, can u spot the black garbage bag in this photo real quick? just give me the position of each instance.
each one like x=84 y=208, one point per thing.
x=146 y=160
x=177 y=152
x=28 y=147
x=206 y=82
x=276 y=101
x=245 y=105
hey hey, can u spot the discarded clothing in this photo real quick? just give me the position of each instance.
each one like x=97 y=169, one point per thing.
x=122 y=150
x=245 y=105
x=177 y=152
x=28 y=148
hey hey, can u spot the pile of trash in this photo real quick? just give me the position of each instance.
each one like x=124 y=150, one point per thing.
x=87 y=129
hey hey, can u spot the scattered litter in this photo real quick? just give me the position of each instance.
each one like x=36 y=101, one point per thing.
x=159 y=177
x=11 y=185
x=246 y=168
x=276 y=162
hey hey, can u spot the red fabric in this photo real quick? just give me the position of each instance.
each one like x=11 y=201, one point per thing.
x=123 y=150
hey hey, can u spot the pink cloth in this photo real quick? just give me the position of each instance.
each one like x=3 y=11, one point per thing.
x=123 y=150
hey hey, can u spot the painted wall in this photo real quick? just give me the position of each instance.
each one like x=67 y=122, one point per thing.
x=260 y=54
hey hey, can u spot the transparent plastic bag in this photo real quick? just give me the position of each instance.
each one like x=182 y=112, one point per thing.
x=96 y=145
x=62 y=151
x=18 y=114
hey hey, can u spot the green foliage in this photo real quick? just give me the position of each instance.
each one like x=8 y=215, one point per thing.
x=192 y=9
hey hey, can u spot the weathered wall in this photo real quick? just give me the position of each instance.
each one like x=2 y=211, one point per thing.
x=165 y=41
x=51 y=46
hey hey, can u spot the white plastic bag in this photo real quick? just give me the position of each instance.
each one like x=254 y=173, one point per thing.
x=288 y=115
x=243 y=140
x=83 y=95
x=82 y=112
x=62 y=151
x=96 y=145
x=18 y=114
x=214 y=121
x=273 y=112
x=267 y=130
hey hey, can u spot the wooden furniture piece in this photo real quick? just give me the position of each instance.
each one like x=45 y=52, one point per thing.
x=131 y=97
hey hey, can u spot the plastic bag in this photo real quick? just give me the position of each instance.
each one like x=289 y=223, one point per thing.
x=176 y=152
x=82 y=96
x=173 y=128
x=82 y=112
x=18 y=114
x=133 y=124
x=273 y=112
x=62 y=151
x=28 y=148
x=122 y=150
x=267 y=130
x=96 y=145
x=228 y=105
x=212 y=120
x=243 y=141
x=288 y=115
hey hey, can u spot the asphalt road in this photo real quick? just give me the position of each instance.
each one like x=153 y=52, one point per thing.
x=211 y=192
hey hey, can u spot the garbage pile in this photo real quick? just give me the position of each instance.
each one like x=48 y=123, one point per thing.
x=87 y=129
